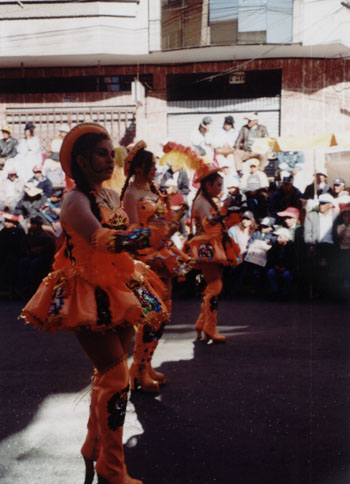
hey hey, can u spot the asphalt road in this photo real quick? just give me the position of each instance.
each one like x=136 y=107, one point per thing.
x=271 y=406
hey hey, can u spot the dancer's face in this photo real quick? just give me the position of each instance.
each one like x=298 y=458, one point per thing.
x=215 y=187
x=100 y=164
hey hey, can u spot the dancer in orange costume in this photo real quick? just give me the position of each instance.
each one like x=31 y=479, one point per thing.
x=146 y=207
x=211 y=247
x=97 y=291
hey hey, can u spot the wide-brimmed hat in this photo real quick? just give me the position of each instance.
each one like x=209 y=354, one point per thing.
x=70 y=139
x=204 y=171
x=131 y=155
x=6 y=128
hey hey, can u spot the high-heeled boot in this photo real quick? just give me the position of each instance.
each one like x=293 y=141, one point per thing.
x=210 y=310
x=209 y=328
x=112 y=394
x=140 y=376
x=200 y=321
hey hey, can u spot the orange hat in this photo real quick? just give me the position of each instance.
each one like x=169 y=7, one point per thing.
x=69 y=140
x=204 y=171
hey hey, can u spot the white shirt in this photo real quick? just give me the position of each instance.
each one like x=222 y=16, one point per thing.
x=326 y=224
x=223 y=138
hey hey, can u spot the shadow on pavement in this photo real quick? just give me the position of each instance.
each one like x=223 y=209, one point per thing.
x=34 y=364
x=269 y=406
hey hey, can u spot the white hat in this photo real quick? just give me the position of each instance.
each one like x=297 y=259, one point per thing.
x=321 y=171
x=252 y=117
x=326 y=198
x=283 y=232
x=254 y=162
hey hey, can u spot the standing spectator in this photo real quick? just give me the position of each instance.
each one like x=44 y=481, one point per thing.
x=245 y=141
x=224 y=142
x=8 y=145
x=321 y=185
x=40 y=247
x=11 y=191
x=202 y=139
x=255 y=175
x=318 y=237
x=281 y=265
x=285 y=196
x=29 y=153
x=41 y=181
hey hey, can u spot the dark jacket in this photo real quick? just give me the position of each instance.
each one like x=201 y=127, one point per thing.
x=309 y=192
x=242 y=138
x=183 y=183
x=44 y=183
x=281 y=199
x=282 y=256
x=8 y=148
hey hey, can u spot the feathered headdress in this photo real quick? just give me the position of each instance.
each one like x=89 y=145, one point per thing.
x=180 y=157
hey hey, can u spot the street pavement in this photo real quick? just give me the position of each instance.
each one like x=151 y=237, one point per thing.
x=271 y=406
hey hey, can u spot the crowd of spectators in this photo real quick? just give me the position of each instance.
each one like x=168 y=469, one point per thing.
x=294 y=241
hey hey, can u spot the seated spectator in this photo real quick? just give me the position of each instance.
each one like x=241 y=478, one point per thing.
x=285 y=196
x=320 y=249
x=52 y=170
x=29 y=153
x=245 y=141
x=290 y=163
x=255 y=175
x=235 y=202
x=30 y=204
x=11 y=191
x=224 y=142
x=8 y=145
x=56 y=143
x=321 y=185
x=11 y=247
x=41 y=181
x=242 y=232
x=51 y=210
x=257 y=200
x=281 y=265
x=252 y=269
x=339 y=193
x=290 y=220
x=39 y=247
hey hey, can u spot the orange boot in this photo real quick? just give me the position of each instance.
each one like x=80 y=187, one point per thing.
x=140 y=376
x=112 y=395
x=210 y=311
x=89 y=449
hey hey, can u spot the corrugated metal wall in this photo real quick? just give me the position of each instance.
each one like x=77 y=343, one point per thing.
x=184 y=116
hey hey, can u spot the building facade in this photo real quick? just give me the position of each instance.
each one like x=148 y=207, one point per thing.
x=152 y=69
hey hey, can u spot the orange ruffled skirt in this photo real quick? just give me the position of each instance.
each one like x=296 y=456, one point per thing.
x=67 y=299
